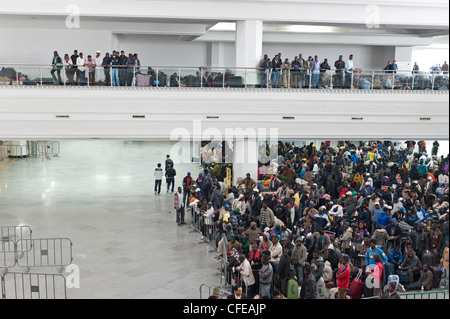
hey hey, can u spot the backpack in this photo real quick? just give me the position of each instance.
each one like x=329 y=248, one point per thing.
x=292 y=288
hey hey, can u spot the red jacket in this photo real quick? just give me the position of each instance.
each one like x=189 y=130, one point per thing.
x=343 y=276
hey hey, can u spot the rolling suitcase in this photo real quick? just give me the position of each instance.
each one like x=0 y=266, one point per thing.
x=357 y=286
x=428 y=258
x=403 y=276
x=437 y=276
x=389 y=270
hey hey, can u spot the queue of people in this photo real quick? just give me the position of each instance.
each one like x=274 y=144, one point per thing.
x=358 y=220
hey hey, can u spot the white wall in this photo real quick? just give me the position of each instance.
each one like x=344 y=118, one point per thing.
x=158 y=50
x=36 y=46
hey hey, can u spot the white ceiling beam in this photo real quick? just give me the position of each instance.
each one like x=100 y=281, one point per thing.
x=434 y=14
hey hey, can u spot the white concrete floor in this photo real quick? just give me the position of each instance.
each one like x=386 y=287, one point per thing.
x=99 y=194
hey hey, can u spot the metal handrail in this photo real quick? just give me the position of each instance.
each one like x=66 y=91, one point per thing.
x=426 y=294
x=178 y=67
x=304 y=77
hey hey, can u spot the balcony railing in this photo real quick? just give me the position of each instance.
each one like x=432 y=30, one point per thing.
x=202 y=77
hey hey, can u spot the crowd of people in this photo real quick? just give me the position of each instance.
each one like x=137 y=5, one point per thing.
x=120 y=69
x=319 y=220
x=314 y=73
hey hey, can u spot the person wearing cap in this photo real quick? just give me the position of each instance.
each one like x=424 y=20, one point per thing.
x=239 y=203
x=215 y=294
x=98 y=77
x=367 y=190
x=374 y=214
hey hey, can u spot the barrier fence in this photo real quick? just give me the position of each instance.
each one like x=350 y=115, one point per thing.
x=223 y=77
x=443 y=294
x=44 y=149
x=45 y=252
x=33 y=286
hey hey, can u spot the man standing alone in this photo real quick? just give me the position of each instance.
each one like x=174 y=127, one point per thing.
x=178 y=205
x=158 y=179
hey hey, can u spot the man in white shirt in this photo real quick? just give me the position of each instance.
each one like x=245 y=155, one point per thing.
x=81 y=69
x=348 y=71
x=158 y=179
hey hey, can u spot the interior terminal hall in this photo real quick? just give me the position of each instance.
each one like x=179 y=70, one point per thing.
x=226 y=149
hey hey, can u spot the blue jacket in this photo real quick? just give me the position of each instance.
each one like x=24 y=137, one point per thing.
x=370 y=253
x=394 y=257
x=383 y=220
x=425 y=216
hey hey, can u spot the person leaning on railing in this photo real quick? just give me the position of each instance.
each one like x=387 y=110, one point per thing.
x=57 y=66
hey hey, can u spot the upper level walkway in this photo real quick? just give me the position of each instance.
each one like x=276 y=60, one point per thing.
x=201 y=77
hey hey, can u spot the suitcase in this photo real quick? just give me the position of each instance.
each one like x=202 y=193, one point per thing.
x=143 y=79
x=235 y=81
x=437 y=276
x=428 y=258
x=357 y=287
x=403 y=276
x=389 y=270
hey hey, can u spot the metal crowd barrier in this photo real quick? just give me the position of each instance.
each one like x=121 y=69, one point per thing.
x=44 y=148
x=442 y=294
x=45 y=252
x=33 y=286
x=9 y=254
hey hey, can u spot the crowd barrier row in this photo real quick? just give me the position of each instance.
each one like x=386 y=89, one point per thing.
x=23 y=258
x=33 y=286
x=146 y=76
x=41 y=149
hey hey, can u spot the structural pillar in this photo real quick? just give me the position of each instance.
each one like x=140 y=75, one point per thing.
x=249 y=39
x=245 y=158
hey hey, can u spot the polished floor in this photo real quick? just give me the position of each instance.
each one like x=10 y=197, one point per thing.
x=99 y=194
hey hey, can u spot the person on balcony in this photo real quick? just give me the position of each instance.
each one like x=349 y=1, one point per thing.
x=115 y=62
x=349 y=72
x=81 y=69
x=57 y=66
x=315 y=72
x=276 y=68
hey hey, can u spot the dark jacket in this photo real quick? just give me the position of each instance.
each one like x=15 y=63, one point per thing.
x=309 y=288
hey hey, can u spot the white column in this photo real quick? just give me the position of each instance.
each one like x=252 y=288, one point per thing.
x=249 y=38
x=245 y=158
